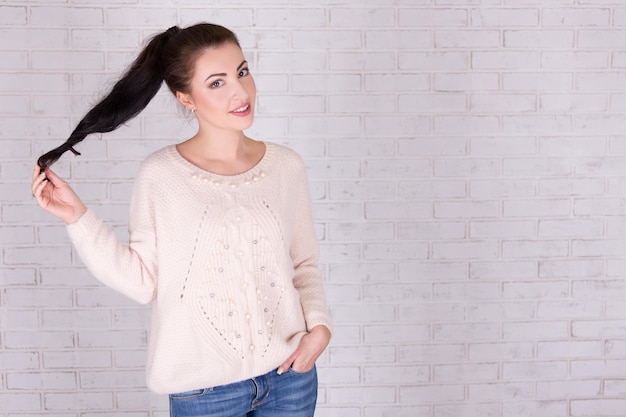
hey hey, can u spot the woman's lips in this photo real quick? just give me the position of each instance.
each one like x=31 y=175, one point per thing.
x=242 y=111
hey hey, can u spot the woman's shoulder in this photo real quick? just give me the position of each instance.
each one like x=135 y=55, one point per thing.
x=284 y=156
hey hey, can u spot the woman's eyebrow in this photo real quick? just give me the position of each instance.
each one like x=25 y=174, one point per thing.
x=223 y=74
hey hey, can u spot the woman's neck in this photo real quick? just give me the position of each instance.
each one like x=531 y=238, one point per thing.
x=229 y=154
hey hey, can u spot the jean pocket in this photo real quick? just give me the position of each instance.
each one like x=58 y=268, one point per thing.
x=187 y=394
x=301 y=372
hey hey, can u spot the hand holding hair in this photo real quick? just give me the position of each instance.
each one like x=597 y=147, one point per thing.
x=56 y=196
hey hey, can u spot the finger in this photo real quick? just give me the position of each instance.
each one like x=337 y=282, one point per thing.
x=287 y=364
x=38 y=191
x=53 y=178
x=36 y=171
x=37 y=181
x=51 y=175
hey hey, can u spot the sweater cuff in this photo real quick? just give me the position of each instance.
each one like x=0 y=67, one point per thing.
x=319 y=320
x=84 y=225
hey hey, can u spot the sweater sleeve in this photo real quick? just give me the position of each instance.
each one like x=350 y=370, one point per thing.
x=129 y=269
x=305 y=254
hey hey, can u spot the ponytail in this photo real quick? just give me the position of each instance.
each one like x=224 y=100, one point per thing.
x=169 y=56
x=128 y=97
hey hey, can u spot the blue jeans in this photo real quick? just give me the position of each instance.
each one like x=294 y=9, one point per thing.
x=291 y=394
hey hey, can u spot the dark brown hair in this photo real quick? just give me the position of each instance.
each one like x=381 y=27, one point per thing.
x=169 y=56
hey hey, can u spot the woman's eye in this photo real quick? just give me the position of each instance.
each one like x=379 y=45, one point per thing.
x=244 y=72
x=217 y=83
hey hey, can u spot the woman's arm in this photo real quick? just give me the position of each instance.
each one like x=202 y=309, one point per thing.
x=130 y=270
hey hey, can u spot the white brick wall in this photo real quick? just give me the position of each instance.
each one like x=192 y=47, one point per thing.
x=467 y=162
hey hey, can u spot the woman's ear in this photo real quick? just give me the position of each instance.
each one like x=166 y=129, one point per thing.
x=185 y=100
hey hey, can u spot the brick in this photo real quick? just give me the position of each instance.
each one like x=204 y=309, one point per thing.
x=431 y=189
x=485 y=312
x=433 y=271
x=535 y=330
x=14 y=60
x=571 y=269
x=465 y=372
x=291 y=17
x=534 y=370
x=573 y=228
x=513 y=103
x=401 y=39
x=358 y=61
x=574 y=60
x=342 y=126
x=365 y=395
x=112 y=379
x=501 y=229
x=424 y=17
x=479 y=82
x=502 y=60
x=78 y=359
x=362 y=17
x=432 y=353
x=494 y=392
x=534 y=249
x=464 y=250
x=431 y=61
x=402 y=334
x=20 y=401
x=433 y=312
x=539 y=39
x=464 y=210
x=502 y=17
x=378 y=104
x=427 y=394
x=13 y=15
x=432 y=103
x=475 y=125
x=596 y=368
x=458 y=410
x=503 y=270
x=66 y=16
x=19 y=360
x=38 y=339
x=400 y=250
x=560 y=389
x=33 y=38
x=361 y=231
x=535 y=290
x=571 y=187
x=78 y=401
x=489 y=189
x=601 y=38
x=328 y=83
x=467 y=39
x=541 y=82
x=467 y=167
x=535 y=408
x=43 y=381
x=500 y=351
x=291 y=104
x=489 y=146
x=141 y=17
x=466 y=332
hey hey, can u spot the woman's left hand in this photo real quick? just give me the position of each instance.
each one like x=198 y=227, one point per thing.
x=310 y=348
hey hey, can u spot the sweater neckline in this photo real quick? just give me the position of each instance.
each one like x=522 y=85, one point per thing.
x=255 y=173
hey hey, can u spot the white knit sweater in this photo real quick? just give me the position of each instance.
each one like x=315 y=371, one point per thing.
x=228 y=262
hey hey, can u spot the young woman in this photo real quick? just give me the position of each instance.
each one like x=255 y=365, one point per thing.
x=221 y=238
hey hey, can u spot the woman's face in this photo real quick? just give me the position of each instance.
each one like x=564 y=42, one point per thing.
x=223 y=92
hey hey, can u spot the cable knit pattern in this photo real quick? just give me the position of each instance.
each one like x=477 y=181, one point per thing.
x=228 y=262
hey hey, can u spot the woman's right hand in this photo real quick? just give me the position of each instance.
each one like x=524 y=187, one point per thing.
x=56 y=196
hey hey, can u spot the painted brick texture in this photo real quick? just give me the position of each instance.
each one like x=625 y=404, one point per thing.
x=468 y=168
